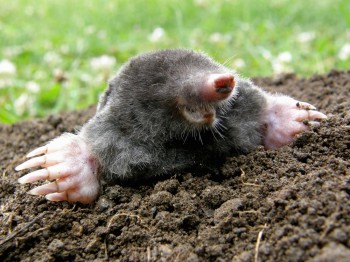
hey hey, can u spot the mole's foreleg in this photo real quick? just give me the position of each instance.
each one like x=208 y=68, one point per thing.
x=67 y=162
x=284 y=118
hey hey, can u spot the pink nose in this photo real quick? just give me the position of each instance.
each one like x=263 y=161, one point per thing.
x=217 y=87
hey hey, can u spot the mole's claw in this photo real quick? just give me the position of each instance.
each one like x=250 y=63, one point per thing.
x=38 y=161
x=53 y=146
x=44 y=189
x=301 y=115
x=45 y=160
x=62 y=196
x=311 y=113
x=38 y=151
x=59 y=185
x=306 y=106
x=34 y=176
x=49 y=173
x=73 y=196
x=67 y=190
x=316 y=115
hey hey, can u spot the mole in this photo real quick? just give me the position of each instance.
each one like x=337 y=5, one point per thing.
x=163 y=112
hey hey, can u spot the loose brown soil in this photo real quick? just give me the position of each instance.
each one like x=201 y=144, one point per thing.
x=290 y=204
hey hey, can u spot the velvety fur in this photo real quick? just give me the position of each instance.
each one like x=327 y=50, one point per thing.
x=138 y=131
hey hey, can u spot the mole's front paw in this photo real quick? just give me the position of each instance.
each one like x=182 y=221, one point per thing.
x=284 y=118
x=68 y=163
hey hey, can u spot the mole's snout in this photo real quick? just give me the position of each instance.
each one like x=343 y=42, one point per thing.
x=224 y=84
x=217 y=87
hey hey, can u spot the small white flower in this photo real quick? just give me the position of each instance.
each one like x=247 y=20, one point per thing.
x=52 y=58
x=85 y=77
x=305 y=37
x=12 y=51
x=238 y=63
x=216 y=37
x=103 y=63
x=90 y=30
x=22 y=104
x=33 y=87
x=277 y=66
x=266 y=54
x=40 y=75
x=65 y=49
x=157 y=34
x=80 y=45
x=280 y=67
x=344 y=52
x=347 y=33
x=7 y=69
x=285 y=57
x=200 y=3
x=101 y=34
x=29 y=10
x=219 y=38
x=48 y=45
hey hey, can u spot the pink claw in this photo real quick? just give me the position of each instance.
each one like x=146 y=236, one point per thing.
x=58 y=197
x=53 y=146
x=49 y=173
x=306 y=106
x=45 y=160
x=38 y=151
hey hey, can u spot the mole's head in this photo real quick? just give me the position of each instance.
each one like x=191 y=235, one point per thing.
x=199 y=100
x=174 y=91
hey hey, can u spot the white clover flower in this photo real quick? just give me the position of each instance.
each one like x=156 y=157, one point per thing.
x=280 y=64
x=157 y=34
x=305 y=37
x=65 y=49
x=101 y=34
x=344 y=52
x=85 y=77
x=266 y=54
x=347 y=33
x=200 y=3
x=103 y=63
x=7 y=69
x=216 y=37
x=90 y=29
x=33 y=87
x=219 y=38
x=12 y=51
x=22 y=103
x=285 y=57
x=238 y=63
x=52 y=58
x=277 y=66
x=29 y=10
x=40 y=75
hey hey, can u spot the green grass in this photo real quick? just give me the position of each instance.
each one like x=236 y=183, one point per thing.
x=48 y=39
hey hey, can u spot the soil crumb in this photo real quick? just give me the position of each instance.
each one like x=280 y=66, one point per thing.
x=290 y=204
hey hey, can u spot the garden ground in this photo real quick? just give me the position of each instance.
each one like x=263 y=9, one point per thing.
x=290 y=204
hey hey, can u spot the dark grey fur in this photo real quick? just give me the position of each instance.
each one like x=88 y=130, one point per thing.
x=137 y=130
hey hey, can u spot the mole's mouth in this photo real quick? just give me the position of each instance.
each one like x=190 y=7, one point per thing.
x=199 y=115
